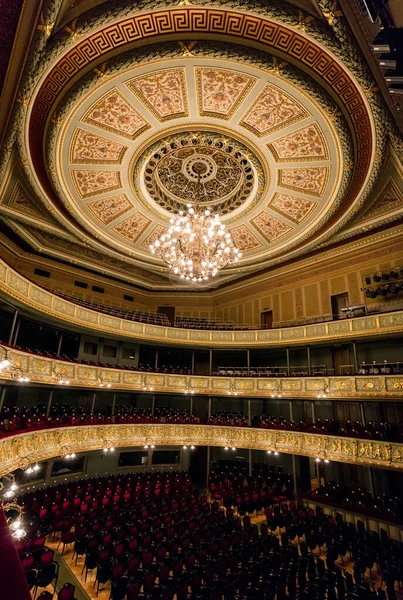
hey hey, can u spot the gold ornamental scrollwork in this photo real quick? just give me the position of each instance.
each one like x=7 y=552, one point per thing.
x=46 y=444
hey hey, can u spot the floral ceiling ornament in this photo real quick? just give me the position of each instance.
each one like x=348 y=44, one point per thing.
x=197 y=245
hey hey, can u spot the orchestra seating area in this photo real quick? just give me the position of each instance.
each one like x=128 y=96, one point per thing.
x=153 y=536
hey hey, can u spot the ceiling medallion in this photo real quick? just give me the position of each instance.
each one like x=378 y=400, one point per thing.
x=226 y=181
x=197 y=244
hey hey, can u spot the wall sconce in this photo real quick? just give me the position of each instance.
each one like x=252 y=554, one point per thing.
x=232 y=391
x=60 y=378
x=5 y=361
x=277 y=393
x=146 y=387
x=66 y=454
x=323 y=394
x=104 y=382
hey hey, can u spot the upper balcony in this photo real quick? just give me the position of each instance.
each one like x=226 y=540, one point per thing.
x=48 y=306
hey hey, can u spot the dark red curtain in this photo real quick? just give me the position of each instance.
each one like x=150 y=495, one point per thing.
x=12 y=579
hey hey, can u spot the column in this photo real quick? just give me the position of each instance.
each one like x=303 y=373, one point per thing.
x=113 y=407
x=93 y=399
x=308 y=354
x=288 y=361
x=294 y=474
x=191 y=405
x=249 y=414
x=211 y=363
x=362 y=413
x=248 y=361
x=2 y=397
x=156 y=359
x=153 y=405
x=208 y=466
x=371 y=481
x=13 y=324
x=356 y=364
x=313 y=411
x=49 y=403
x=250 y=461
x=209 y=408
x=59 y=347
x=193 y=363
x=16 y=330
x=290 y=405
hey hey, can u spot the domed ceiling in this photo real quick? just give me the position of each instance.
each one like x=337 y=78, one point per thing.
x=115 y=136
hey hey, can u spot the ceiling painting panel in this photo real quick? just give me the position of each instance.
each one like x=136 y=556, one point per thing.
x=133 y=227
x=162 y=92
x=273 y=110
x=88 y=147
x=270 y=228
x=113 y=112
x=305 y=144
x=109 y=209
x=244 y=239
x=308 y=180
x=221 y=91
x=291 y=207
x=91 y=183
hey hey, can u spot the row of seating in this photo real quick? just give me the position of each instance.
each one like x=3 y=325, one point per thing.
x=14 y=419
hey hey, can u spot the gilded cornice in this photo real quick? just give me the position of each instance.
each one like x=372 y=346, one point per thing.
x=24 y=292
x=21 y=450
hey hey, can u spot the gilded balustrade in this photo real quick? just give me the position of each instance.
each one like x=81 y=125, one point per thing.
x=20 y=450
x=19 y=290
x=49 y=371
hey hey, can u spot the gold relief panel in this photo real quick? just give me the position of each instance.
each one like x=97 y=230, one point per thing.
x=394 y=320
x=132 y=378
x=132 y=327
x=153 y=330
x=3 y=272
x=312 y=385
x=66 y=308
x=244 y=336
x=20 y=284
x=245 y=385
x=88 y=373
x=158 y=380
x=366 y=384
x=42 y=297
x=109 y=322
x=221 y=336
x=291 y=386
x=364 y=323
x=176 y=381
x=394 y=384
x=199 y=382
x=316 y=331
x=266 y=384
x=41 y=367
x=199 y=335
x=177 y=334
x=338 y=327
x=87 y=315
x=221 y=384
x=111 y=375
x=268 y=335
x=340 y=385
x=293 y=333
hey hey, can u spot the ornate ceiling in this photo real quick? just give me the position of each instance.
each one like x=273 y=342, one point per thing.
x=119 y=107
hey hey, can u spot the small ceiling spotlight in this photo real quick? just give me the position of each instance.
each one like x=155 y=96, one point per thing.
x=226 y=448
x=233 y=448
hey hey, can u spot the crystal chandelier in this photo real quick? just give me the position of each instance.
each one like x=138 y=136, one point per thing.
x=197 y=244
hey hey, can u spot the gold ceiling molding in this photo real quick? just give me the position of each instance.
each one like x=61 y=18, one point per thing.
x=44 y=444
x=24 y=292
x=42 y=370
